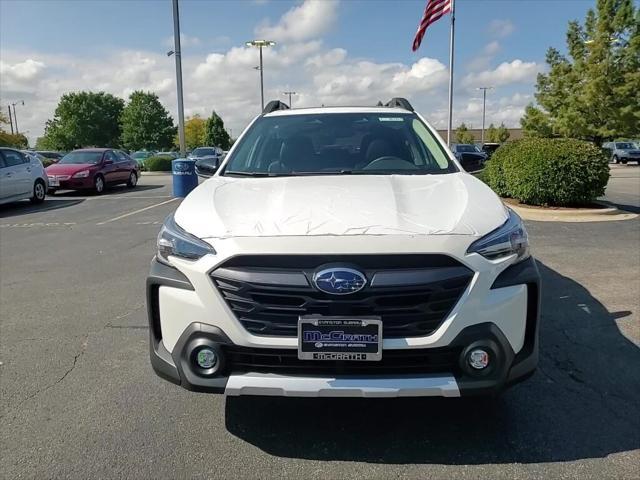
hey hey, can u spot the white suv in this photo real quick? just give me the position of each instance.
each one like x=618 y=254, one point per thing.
x=343 y=252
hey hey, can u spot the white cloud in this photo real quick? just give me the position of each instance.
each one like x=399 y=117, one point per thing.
x=185 y=41
x=228 y=83
x=309 y=20
x=501 y=28
x=506 y=73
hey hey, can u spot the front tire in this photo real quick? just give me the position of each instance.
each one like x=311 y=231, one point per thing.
x=39 y=192
x=133 y=179
x=98 y=185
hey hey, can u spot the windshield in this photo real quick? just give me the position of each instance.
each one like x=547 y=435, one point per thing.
x=338 y=143
x=203 y=152
x=466 y=149
x=624 y=146
x=141 y=155
x=82 y=158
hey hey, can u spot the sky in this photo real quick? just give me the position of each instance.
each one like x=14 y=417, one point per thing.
x=331 y=52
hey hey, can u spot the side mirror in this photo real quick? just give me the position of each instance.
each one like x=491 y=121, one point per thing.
x=108 y=162
x=205 y=168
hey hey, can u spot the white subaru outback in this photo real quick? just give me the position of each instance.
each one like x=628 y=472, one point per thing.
x=343 y=252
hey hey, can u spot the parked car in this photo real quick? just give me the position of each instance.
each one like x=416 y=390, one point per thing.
x=343 y=252
x=622 y=152
x=469 y=156
x=22 y=176
x=54 y=157
x=211 y=155
x=141 y=156
x=489 y=148
x=93 y=169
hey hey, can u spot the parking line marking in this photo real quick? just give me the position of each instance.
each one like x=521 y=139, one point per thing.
x=136 y=211
x=123 y=197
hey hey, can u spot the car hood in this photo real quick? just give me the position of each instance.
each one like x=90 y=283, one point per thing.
x=450 y=204
x=67 y=168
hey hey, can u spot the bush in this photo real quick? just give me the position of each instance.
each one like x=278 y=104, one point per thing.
x=157 y=164
x=544 y=171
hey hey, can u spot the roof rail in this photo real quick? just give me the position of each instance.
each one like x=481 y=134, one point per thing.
x=275 y=105
x=399 y=102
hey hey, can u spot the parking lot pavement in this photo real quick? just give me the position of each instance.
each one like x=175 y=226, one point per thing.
x=624 y=187
x=79 y=398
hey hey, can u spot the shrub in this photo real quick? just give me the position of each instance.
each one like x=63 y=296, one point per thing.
x=544 y=171
x=157 y=164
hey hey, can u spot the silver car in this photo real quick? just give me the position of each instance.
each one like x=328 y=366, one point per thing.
x=622 y=152
x=22 y=176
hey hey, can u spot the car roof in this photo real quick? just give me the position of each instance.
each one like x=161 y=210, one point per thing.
x=325 y=110
x=92 y=149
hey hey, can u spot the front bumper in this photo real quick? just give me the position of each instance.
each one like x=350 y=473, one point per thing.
x=510 y=364
x=67 y=182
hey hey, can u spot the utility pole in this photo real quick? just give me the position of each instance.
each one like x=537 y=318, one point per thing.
x=290 y=93
x=10 y=118
x=178 y=55
x=484 y=105
x=261 y=44
x=15 y=117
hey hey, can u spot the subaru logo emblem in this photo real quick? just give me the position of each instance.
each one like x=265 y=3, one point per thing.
x=339 y=280
x=180 y=167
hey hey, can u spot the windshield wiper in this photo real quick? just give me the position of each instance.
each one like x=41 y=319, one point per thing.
x=255 y=174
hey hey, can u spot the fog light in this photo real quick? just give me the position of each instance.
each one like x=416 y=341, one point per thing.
x=206 y=358
x=478 y=359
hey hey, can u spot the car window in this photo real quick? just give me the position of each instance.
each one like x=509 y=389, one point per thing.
x=329 y=143
x=82 y=157
x=111 y=156
x=13 y=158
x=201 y=152
x=121 y=156
x=2 y=164
x=624 y=146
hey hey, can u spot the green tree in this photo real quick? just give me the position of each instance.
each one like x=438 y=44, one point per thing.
x=536 y=123
x=194 y=132
x=43 y=144
x=146 y=124
x=594 y=92
x=491 y=134
x=463 y=135
x=85 y=119
x=10 y=139
x=216 y=134
x=502 y=133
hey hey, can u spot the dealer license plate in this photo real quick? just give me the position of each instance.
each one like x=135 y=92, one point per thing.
x=54 y=182
x=340 y=338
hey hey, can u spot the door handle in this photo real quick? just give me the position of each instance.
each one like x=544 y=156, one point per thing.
x=9 y=174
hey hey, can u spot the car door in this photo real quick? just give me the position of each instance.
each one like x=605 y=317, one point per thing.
x=110 y=167
x=17 y=172
x=124 y=166
x=5 y=182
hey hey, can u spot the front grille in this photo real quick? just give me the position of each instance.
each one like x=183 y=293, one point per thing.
x=394 y=362
x=413 y=294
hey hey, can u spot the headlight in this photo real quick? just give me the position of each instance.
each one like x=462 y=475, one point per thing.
x=173 y=240
x=506 y=240
x=82 y=174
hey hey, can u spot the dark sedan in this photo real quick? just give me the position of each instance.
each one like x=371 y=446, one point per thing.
x=469 y=156
x=93 y=169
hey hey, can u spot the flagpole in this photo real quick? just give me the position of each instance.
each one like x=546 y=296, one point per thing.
x=451 y=44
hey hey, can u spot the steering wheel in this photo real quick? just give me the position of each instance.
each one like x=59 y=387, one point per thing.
x=389 y=163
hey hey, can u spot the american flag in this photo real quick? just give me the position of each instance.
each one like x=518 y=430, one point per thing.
x=435 y=9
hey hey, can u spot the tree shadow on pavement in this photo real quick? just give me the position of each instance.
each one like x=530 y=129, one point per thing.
x=111 y=190
x=582 y=403
x=24 y=207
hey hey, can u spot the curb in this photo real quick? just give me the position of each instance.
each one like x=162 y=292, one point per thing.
x=607 y=214
x=155 y=174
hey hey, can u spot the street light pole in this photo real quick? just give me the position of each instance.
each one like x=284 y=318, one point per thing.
x=15 y=117
x=290 y=101
x=10 y=118
x=177 y=53
x=484 y=105
x=261 y=44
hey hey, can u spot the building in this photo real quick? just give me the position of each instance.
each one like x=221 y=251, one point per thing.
x=514 y=134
